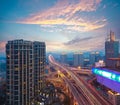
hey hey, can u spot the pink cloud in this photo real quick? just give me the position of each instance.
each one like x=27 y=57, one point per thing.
x=64 y=13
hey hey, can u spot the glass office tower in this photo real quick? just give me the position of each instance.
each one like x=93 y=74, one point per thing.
x=111 y=50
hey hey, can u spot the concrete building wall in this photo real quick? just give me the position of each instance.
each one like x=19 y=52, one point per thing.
x=25 y=69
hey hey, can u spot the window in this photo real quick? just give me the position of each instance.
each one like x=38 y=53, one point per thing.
x=15 y=77
x=15 y=87
x=16 y=82
x=15 y=92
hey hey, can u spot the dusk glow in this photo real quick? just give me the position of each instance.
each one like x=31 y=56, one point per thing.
x=59 y=52
x=66 y=24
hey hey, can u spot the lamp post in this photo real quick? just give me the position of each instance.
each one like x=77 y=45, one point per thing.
x=58 y=73
x=79 y=67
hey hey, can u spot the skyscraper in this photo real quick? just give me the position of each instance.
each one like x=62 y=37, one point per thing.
x=94 y=57
x=97 y=56
x=78 y=59
x=111 y=50
x=22 y=70
x=63 y=58
x=39 y=65
x=81 y=59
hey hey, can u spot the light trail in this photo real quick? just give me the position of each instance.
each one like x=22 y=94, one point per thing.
x=82 y=87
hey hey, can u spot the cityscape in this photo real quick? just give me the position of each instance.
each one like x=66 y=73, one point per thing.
x=59 y=52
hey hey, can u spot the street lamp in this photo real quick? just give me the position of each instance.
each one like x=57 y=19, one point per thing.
x=58 y=73
x=79 y=67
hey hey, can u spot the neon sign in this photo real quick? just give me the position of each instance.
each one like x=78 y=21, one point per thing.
x=107 y=74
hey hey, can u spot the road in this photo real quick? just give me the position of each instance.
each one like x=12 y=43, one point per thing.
x=80 y=90
x=74 y=90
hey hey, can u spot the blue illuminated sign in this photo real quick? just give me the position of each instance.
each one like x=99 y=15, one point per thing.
x=107 y=74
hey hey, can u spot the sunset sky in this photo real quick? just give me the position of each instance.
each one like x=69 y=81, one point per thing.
x=65 y=25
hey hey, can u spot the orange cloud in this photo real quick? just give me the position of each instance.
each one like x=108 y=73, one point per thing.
x=55 y=46
x=87 y=26
x=64 y=13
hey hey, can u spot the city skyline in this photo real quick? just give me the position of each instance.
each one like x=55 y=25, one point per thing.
x=69 y=25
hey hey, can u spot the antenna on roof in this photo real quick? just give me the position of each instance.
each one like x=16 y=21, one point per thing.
x=108 y=37
x=112 y=36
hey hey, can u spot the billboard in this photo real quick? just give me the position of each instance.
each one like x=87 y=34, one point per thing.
x=109 y=78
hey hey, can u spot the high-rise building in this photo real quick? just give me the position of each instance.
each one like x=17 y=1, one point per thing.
x=111 y=50
x=114 y=97
x=78 y=59
x=94 y=57
x=81 y=59
x=63 y=58
x=39 y=65
x=97 y=57
x=25 y=69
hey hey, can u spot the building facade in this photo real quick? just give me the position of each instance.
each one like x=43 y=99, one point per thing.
x=81 y=59
x=21 y=71
x=111 y=50
x=78 y=59
x=94 y=57
x=39 y=65
x=114 y=97
x=63 y=58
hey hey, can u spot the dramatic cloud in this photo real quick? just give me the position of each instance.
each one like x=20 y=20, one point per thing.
x=68 y=12
x=89 y=43
x=77 y=40
x=86 y=43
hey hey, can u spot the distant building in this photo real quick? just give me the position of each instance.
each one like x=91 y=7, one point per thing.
x=86 y=62
x=100 y=63
x=116 y=62
x=97 y=57
x=111 y=50
x=81 y=59
x=114 y=97
x=70 y=61
x=78 y=59
x=25 y=70
x=63 y=58
x=94 y=57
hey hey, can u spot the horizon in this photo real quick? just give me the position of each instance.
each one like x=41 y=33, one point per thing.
x=57 y=53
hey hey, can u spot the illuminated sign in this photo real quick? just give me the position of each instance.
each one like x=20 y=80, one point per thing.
x=107 y=74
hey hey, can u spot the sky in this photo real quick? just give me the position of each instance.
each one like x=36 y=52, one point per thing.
x=64 y=25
